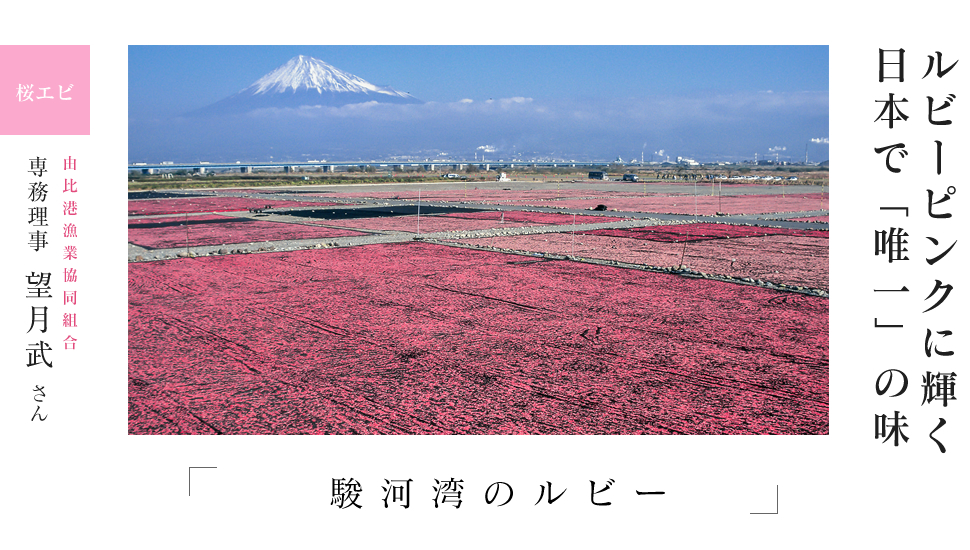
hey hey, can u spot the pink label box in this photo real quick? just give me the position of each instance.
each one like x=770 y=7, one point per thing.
x=46 y=90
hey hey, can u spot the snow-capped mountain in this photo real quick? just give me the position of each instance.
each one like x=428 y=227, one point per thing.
x=306 y=82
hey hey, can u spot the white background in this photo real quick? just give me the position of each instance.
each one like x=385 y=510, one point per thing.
x=79 y=480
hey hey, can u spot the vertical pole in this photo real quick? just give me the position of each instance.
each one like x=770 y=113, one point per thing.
x=419 y=211
x=186 y=234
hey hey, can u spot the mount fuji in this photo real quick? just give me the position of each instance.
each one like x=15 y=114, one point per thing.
x=305 y=82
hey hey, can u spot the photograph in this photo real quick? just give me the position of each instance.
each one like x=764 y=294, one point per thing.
x=450 y=240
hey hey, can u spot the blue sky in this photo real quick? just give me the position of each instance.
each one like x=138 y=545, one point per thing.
x=768 y=96
x=188 y=77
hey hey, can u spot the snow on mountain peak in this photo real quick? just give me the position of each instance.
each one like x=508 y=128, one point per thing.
x=304 y=73
x=305 y=82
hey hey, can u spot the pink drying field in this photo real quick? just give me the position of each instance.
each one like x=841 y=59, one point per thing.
x=568 y=190
x=535 y=218
x=418 y=338
x=216 y=230
x=790 y=260
x=152 y=207
x=628 y=201
x=706 y=204
x=679 y=233
x=573 y=186
x=486 y=196
x=466 y=221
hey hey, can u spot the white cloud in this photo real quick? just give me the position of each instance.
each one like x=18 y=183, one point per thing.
x=724 y=124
